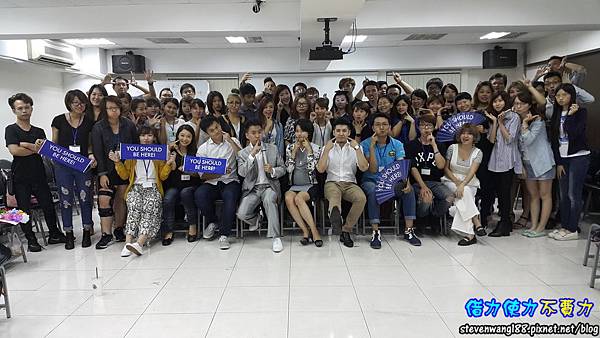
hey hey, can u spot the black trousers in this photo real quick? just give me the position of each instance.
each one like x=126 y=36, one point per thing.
x=41 y=191
x=487 y=192
x=503 y=182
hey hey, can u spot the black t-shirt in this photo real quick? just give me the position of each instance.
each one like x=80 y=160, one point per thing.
x=26 y=168
x=69 y=136
x=175 y=180
x=423 y=159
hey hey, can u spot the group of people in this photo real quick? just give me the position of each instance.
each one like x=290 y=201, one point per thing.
x=293 y=146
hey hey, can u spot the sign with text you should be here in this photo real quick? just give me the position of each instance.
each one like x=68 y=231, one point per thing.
x=207 y=165
x=144 y=152
x=64 y=156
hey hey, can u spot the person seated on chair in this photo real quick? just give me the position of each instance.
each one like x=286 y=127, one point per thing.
x=339 y=158
x=302 y=157
x=383 y=150
x=226 y=187
x=462 y=162
x=433 y=197
x=29 y=176
x=261 y=165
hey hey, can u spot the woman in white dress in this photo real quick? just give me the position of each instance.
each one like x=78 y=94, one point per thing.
x=463 y=160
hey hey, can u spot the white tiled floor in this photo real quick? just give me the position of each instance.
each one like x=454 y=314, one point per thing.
x=196 y=290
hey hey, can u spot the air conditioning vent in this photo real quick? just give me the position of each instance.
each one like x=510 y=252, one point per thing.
x=421 y=37
x=52 y=52
x=254 y=39
x=170 y=41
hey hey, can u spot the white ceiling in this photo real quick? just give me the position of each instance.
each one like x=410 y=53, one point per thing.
x=82 y=3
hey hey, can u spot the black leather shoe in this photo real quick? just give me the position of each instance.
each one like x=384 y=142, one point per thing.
x=87 y=239
x=480 y=231
x=335 y=218
x=167 y=241
x=192 y=238
x=70 y=241
x=467 y=242
x=119 y=234
x=346 y=239
x=498 y=233
x=33 y=245
x=57 y=238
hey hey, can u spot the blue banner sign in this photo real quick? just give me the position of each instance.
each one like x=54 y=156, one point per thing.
x=144 y=152
x=207 y=165
x=64 y=156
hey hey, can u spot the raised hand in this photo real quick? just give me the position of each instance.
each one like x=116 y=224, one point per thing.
x=106 y=80
x=246 y=77
x=149 y=76
x=397 y=77
x=256 y=149
x=573 y=109
x=133 y=82
x=114 y=156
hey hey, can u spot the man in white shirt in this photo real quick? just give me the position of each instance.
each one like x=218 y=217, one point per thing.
x=225 y=187
x=340 y=158
x=261 y=166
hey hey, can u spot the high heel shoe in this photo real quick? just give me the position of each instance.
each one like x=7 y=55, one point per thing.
x=318 y=243
x=192 y=238
x=306 y=240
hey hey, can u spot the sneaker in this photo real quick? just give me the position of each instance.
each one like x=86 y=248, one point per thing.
x=209 y=232
x=87 y=239
x=409 y=236
x=224 y=243
x=335 y=218
x=105 y=241
x=135 y=248
x=256 y=225
x=376 y=240
x=119 y=234
x=57 y=238
x=553 y=233
x=125 y=252
x=277 y=245
x=566 y=235
x=346 y=239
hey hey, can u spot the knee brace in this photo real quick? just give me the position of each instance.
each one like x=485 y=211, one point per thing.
x=105 y=212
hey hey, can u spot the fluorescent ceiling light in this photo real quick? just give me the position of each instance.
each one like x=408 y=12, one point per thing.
x=358 y=38
x=493 y=35
x=236 y=39
x=89 y=42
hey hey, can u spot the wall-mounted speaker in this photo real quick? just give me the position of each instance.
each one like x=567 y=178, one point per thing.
x=499 y=58
x=125 y=64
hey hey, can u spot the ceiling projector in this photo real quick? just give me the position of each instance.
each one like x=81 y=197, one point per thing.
x=327 y=52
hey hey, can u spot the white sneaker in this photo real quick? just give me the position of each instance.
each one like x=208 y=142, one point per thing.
x=125 y=252
x=135 y=248
x=277 y=245
x=257 y=224
x=566 y=235
x=209 y=232
x=224 y=243
x=553 y=233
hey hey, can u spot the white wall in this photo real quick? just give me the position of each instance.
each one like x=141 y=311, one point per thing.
x=562 y=44
x=43 y=84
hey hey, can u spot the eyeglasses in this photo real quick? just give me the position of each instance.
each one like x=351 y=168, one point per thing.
x=75 y=103
x=426 y=126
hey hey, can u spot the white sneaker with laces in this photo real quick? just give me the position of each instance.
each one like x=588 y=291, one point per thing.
x=553 y=233
x=209 y=232
x=135 y=248
x=224 y=243
x=566 y=236
x=277 y=245
x=256 y=225
x=125 y=252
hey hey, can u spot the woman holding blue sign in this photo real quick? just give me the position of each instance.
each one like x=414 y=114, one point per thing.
x=73 y=130
x=144 y=194
x=108 y=133
x=180 y=186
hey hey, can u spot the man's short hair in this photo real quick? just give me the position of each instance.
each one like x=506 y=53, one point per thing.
x=381 y=115
x=341 y=122
x=301 y=84
x=555 y=57
x=207 y=121
x=500 y=76
x=345 y=80
x=268 y=79
x=322 y=102
x=186 y=86
x=362 y=105
x=120 y=78
x=552 y=74
x=434 y=81
x=381 y=83
x=247 y=89
x=252 y=123
x=427 y=118
x=19 y=97
x=152 y=102
x=370 y=83
x=463 y=96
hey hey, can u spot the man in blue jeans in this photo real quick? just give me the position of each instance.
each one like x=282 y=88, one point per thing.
x=433 y=197
x=382 y=150
x=225 y=187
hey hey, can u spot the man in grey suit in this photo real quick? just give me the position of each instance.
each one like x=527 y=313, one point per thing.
x=261 y=165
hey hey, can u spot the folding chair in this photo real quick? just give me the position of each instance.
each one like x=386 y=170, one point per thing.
x=596 y=256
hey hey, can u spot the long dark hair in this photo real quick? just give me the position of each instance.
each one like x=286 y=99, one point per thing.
x=191 y=149
x=558 y=109
x=476 y=102
x=209 y=102
x=505 y=97
x=344 y=93
x=111 y=98
x=261 y=107
x=395 y=113
x=294 y=114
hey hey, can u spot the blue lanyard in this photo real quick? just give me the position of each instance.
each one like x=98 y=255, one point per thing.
x=384 y=152
x=74 y=131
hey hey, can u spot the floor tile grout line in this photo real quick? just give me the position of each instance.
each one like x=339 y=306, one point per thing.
x=418 y=286
x=289 y=287
x=362 y=312
x=159 y=291
x=212 y=319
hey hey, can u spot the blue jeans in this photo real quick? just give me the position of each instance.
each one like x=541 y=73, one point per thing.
x=406 y=200
x=230 y=193
x=440 y=204
x=70 y=182
x=571 y=189
x=172 y=197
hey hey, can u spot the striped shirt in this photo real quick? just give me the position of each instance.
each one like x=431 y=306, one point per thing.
x=505 y=155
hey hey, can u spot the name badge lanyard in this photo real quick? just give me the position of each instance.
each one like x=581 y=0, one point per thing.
x=382 y=154
x=75 y=130
x=322 y=131
x=147 y=164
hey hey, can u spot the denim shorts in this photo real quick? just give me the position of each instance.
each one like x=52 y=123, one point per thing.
x=548 y=175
